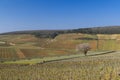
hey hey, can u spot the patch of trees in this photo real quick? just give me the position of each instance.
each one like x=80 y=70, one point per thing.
x=46 y=35
x=86 y=38
x=84 y=48
x=99 y=30
x=49 y=34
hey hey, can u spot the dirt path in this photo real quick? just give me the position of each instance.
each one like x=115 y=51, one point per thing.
x=20 y=54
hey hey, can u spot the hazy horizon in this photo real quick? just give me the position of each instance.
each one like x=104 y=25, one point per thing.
x=17 y=15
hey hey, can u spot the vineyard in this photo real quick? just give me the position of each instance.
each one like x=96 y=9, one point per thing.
x=8 y=53
x=99 y=67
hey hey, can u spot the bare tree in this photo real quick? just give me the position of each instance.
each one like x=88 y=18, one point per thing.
x=84 y=47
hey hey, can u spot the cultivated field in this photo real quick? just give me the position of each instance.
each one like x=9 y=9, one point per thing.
x=7 y=53
x=34 y=58
x=14 y=54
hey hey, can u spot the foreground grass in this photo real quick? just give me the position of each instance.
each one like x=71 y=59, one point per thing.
x=92 y=67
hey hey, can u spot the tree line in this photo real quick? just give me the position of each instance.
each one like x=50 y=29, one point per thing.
x=99 y=30
x=54 y=33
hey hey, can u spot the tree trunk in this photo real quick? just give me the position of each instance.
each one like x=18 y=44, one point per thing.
x=85 y=53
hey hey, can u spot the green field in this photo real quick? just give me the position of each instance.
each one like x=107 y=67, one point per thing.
x=55 y=58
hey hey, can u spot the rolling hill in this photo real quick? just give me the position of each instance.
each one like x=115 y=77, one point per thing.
x=30 y=45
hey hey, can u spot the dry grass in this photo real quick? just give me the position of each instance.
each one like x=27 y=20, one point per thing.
x=104 y=67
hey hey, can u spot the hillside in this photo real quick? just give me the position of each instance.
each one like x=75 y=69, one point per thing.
x=28 y=45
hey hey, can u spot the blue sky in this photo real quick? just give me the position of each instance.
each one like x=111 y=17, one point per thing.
x=57 y=14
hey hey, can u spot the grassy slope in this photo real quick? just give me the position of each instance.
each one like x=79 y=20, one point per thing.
x=57 y=58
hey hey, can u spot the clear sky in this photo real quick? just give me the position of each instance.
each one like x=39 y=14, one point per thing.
x=57 y=14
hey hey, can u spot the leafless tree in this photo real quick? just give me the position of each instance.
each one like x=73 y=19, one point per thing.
x=84 y=47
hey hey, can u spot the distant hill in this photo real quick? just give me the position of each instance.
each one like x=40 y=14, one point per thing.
x=99 y=30
x=54 y=33
x=38 y=33
x=33 y=31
